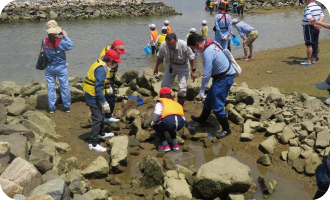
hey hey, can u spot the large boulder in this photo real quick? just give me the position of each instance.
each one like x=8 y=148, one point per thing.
x=153 y=174
x=42 y=131
x=10 y=188
x=30 y=88
x=6 y=100
x=10 y=88
x=268 y=146
x=293 y=154
x=212 y=182
x=18 y=146
x=267 y=114
x=322 y=140
x=76 y=95
x=311 y=164
x=279 y=100
x=313 y=104
x=23 y=174
x=39 y=100
x=41 y=119
x=16 y=109
x=286 y=135
x=119 y=154
x=99 y=168
x=177 y=189
x=308 y=126
x=247 y=96
x=193 y=90
x=60 y=165
x=275 y=128
x=267 y=90
x=16 y=129
x=54 y=188
x=97 y=194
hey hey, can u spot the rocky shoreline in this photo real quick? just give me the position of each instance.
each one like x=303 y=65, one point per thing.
x=37 y=170
x=81 y=9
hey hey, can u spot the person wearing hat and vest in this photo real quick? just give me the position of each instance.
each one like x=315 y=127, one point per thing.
x=177 y=55
x=168 y=116
x=55 y=48
x=167 y=25
x=217 y=66
x=223 y=27
x=325 y=86
x=153 y=37
x=161 y=37
x=251 y=35
x=204 y=30
x=192 y=30
x=96 y=86
x=118 y=46
x=240 y=7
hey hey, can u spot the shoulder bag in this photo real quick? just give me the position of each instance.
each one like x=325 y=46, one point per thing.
x=42 y=60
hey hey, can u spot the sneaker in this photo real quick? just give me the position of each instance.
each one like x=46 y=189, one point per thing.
x=96 y=148
x=175 y=147
x=327 y=102
x=163 y=148
x=67 y=110
x=51 y=111
x=111 y=119
x=106 y=135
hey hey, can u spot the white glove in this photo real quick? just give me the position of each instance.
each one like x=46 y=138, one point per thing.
x=106 y=107
x=202 y=95
x=110 y=90
x=152 y=123
x=223 y=37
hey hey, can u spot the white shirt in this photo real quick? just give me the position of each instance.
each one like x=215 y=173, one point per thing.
x=312 y=10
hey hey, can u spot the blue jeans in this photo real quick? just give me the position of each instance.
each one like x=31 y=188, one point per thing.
x=169 y=124
x=62 y=74
x=216 y=96
x=111 y=99
x=223 y=43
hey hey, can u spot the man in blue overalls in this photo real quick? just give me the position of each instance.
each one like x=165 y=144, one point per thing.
x=217 y=65
x=223 y=27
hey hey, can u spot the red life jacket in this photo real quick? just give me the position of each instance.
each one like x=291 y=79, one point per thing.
x=209 y=42
x=51 y=45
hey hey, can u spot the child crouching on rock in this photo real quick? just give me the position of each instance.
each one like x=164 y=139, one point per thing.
x=168 y=116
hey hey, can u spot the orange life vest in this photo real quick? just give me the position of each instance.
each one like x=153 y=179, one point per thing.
x=170 y=107
x=169 y=31
x=154 y=35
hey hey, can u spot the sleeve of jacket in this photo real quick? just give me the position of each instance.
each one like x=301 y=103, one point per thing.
x=217 y=24
x=239 y=29
x=208 y=64
x=100 y=75
x=65 y=44
x=229 y=27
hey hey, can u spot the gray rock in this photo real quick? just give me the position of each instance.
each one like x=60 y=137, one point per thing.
x=279 y=100
x=6 y=100
x=147 y=118
x=212 y=183
x=199 y=136
x=23 y=174
x=42 y=131
x=268 y=146
x=298 y=165
x=19 y=196
x=119 y=154
x=267 y=90
x=234 y=196
x=177 y=189
x=267 y=114
x=284 y=155
x=76 y=187
x=52 y=15
x=286 y=135
x=97 y=194
x=264 y=160
x=309 y=142
x=145 y=92
x=3 y=113
x=247 y=137
x=323 y=138
x=76 y=95
x=130 y=75
x=53 y=188
x=4 y=155
x=313 y=104
x=49 y=149
x=302 y=135
x=42 y=120
x=60 y=165
x=275 y=128
x=308 y=126
x=153 y=174
x=267 y=185
x=99 y=168
x=10 y=88
x=293 y=154
x=18 y=146
x=43 y=166
x=30 y=88
x=168 y=163
x=16 y=109
x=39 y=100
x=49 y=175
x=62 y=147
x=311 y=164
x=72 y=161
x=193 y=90
x=257 y=112
x=235 y=117
x=10 y=188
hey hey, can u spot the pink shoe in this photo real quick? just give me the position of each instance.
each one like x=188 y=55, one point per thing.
x=176 y=147
x=163 y=148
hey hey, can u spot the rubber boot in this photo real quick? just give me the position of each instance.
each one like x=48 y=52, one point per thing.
x=181 y=100
x=203 y=117
x=225 y=128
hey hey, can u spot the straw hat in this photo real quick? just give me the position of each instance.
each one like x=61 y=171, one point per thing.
x=52 y=27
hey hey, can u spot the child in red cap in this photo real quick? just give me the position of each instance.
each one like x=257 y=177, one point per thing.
x=168 y=116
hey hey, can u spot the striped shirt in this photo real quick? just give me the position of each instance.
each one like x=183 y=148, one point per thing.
x=312 y=10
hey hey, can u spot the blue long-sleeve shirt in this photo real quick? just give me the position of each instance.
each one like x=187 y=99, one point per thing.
x=65 y=44
x=221 y=28
x=244 y=28
x=100 y=75
x=215 y=62
x=322 y=175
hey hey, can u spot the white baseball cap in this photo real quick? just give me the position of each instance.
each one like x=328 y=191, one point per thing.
x=204 y=22
x=164 y=28
x=192 y=30
x=166 y=22
x=152 y=25
x=234 y=21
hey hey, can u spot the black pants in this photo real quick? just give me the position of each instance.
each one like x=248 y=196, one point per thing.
x=240 y=10
x=153 y=49
x=169 y=124
x=311 y=37
x=98 y=126
x=111 y=99
x=318 y=194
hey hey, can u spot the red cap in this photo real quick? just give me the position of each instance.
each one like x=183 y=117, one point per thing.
x=113 y=55
x=164 y=90
x=119 y=46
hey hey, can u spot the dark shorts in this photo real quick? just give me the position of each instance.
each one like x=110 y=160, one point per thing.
x=311 y=35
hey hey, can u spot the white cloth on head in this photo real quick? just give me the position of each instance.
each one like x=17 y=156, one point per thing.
x=152 y=26
x=166 y=22
x=204 y=22
x=192 y=30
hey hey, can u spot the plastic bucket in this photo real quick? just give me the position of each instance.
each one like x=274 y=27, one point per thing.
x=233 y=9
x=235 y=41
x=147 y=49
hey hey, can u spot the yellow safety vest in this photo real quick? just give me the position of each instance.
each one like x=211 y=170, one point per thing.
x=161 y=39
x=113 y=70
x=211 y=5
x=89 y=84
x=241 y=3
x=207 y=31
x=188 y=36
